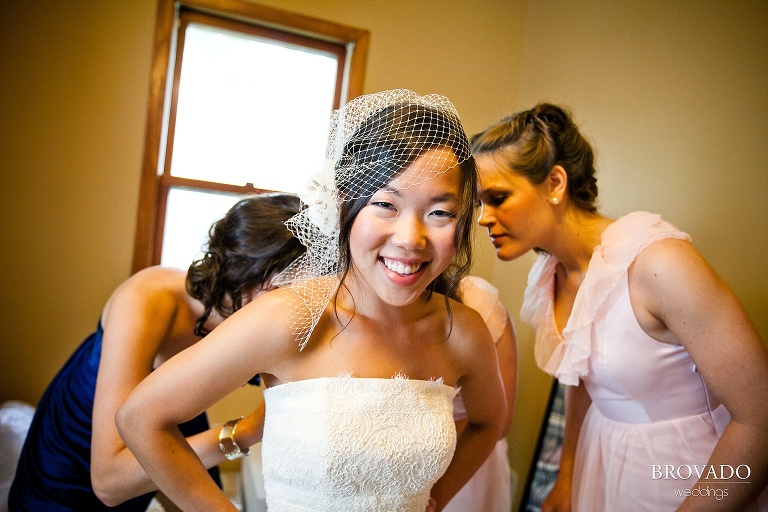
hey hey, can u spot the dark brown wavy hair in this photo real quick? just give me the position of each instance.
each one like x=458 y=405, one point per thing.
x=245 y=250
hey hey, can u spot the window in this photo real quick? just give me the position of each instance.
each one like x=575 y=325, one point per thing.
x=239 y=104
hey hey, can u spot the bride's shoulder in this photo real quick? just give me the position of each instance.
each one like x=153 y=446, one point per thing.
x=468 y=323
x=267 y=311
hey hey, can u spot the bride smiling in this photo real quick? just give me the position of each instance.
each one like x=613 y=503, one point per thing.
x=364 y=351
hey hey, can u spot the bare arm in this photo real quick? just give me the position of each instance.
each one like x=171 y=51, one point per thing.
x=689 y=304
x=138 y=321
x=483 y=297
x=506 y=351
x=483 y=394
x=188 y=384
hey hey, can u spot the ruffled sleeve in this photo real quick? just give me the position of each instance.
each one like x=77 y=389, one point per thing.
x=538 y=292
x=483 y=297
x=567 y=357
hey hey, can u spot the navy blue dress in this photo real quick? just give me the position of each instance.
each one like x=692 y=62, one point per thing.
x=54 y=468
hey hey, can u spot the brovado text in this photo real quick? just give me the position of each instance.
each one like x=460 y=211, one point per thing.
x=723 y=472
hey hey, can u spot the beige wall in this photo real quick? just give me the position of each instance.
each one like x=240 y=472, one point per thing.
x=74 y=78
x=673 y=94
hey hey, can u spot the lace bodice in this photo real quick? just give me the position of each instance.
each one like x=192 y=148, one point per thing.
x=356 y=444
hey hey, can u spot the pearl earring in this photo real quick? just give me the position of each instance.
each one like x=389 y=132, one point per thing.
x=554 y=200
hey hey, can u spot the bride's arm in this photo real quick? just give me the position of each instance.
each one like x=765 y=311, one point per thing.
x=483 y=394
x=247 y=343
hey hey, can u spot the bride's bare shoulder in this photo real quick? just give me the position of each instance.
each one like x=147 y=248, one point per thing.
x=468 y=326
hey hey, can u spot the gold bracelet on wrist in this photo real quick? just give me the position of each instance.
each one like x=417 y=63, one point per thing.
x=227 y=442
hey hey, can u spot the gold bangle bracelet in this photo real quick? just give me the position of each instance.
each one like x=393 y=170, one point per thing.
x=227 y=442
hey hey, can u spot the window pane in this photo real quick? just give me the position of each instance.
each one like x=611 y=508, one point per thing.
x=188 y=218
x=251 y=110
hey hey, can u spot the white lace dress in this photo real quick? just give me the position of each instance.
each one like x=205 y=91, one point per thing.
x=356 y=444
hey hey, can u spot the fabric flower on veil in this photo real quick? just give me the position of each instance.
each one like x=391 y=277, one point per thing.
x=322 y=200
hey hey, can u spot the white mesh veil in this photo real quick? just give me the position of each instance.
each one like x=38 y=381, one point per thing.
x=371 y=139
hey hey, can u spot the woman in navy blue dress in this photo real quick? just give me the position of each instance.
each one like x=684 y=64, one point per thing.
x=73 y=457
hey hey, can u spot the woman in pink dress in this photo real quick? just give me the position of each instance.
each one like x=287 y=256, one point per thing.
x=667 y=398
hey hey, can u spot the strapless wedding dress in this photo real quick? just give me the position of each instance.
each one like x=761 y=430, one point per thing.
x=356 y=444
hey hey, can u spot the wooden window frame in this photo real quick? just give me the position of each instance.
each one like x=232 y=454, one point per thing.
x=154 y=187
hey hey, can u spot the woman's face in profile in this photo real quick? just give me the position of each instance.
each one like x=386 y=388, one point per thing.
x=513 y=210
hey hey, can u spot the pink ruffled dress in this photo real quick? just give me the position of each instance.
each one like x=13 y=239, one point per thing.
x=650 y=407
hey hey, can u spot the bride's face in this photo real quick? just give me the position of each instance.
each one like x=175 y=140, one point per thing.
x=403 y=238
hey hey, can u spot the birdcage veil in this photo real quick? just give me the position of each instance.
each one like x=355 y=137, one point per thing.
x=371 y=139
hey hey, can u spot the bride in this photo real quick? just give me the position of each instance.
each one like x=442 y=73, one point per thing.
x=364 y=351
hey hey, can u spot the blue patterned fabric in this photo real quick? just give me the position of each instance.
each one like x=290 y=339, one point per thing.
x=54 y=468
x=548 y=463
